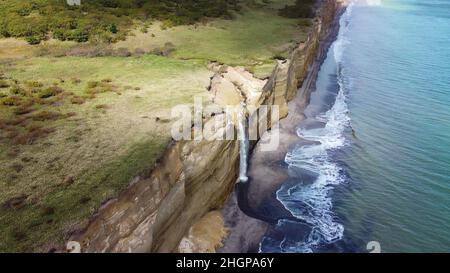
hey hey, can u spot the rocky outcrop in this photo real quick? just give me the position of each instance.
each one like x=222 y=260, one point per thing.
x=233 y=85
x=194 y=178
x=205 y=236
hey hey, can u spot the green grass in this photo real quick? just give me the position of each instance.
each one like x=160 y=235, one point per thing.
x=252 y=39
x=117 y=133
x=116 y=67
x=249 y=39
x=33 y=226
x=111 y=139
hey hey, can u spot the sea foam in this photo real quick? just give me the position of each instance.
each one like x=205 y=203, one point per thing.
x=311 y=203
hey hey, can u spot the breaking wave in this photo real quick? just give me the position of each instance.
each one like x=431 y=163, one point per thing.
x=310 y=202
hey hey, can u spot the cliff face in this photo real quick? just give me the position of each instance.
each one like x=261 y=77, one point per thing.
x=196 y=177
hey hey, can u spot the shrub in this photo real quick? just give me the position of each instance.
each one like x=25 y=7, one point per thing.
x=78 y=35
x=25 y=9
x=92 y=84
x=46 y=101
x=77 y=100
x=34 y=39
x=123 y=52
x=109 y=3
x=166 y=50
x=50 y=92
x=113 y=29
x=17 y=90
x=95 y=87
x=35 y=84
x=102 y=106
x=301 y=9
x=16 y=26
x=60 y=34
x=279 y=57
x=12 y=101
x=97 y=16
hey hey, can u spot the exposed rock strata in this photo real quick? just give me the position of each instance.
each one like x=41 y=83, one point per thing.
x=196 y=177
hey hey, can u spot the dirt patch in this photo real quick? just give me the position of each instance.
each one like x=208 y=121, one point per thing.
x=16 y=203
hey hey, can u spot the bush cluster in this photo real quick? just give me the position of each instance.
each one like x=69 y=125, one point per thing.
x=301 y=9
x=105 y=20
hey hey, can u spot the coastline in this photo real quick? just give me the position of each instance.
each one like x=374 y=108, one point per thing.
x=118 y=183
x=160 y=210
x=246 y=229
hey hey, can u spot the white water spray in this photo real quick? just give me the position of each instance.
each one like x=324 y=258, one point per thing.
x=311 y=203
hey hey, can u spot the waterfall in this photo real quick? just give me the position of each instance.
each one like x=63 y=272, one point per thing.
x=244 y=144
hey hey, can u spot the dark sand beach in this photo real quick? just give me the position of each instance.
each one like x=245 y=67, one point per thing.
x=253 y=207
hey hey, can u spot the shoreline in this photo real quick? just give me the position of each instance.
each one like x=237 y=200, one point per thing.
x=161 y=211
x=246 y=230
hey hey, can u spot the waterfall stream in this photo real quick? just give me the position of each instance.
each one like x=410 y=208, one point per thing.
x=244 y=144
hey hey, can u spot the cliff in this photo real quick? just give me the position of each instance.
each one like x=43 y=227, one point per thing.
x=194 y=178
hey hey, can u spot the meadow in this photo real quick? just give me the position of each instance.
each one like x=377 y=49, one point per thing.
x=79 y=120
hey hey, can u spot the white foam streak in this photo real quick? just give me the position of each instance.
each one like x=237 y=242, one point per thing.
x=311 y=203
x=373 y=2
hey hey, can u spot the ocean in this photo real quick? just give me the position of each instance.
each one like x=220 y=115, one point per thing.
x=378 y=176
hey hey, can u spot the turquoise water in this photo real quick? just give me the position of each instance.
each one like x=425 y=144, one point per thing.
x=380 y=118
x=397 y=62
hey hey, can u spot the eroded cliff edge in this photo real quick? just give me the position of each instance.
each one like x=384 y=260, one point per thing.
x=194 y=178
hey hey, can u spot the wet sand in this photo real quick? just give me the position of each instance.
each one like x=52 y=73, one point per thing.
x=253 y=207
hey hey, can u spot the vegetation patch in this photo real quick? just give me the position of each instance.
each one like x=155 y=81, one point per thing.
x=68 y=141
x=96 y=87
x=51 y=217
x=74 y=163
x=78 y=100
x=35 y=133
x=4 y=84
x=50 y=92
x=99 y=20
x=301 y=9
x=251 y=39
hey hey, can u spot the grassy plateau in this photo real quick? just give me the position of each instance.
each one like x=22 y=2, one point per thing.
x=80 y=119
